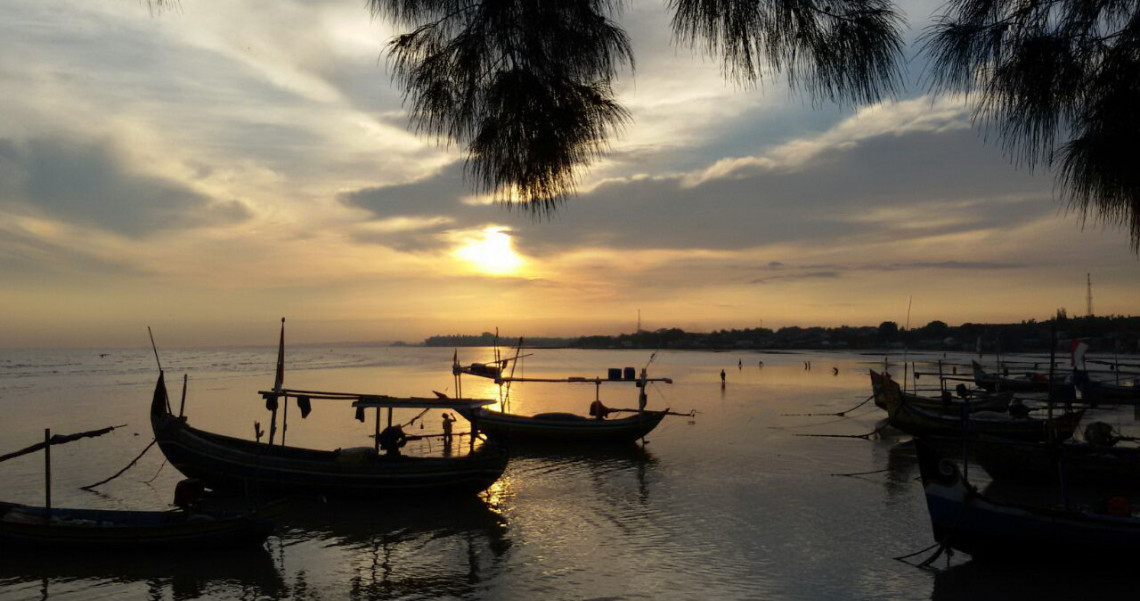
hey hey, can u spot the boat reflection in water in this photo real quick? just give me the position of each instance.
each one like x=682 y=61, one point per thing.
x=442 y=548
x=979 y=581
x=184 y=575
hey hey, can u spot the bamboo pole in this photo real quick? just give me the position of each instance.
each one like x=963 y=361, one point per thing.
x=47 y=473
x=182 y=405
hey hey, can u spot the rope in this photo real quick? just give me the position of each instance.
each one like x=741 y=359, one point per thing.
x=866 y=436
x=903 y=558
x=840 y=414
x=853 y=474
x=156 y=473
x=120 y=472
x=413 y=420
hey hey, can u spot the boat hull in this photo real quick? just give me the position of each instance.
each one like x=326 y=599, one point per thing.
x=965 y=520
x=1071 y=461
x=562 y=428
x=106 y=530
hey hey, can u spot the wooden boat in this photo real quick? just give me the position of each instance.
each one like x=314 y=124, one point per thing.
x=23 y=526
x=57 y=528
x=1099 y=392
x=950 y=405
x=966 y=520
x=1061 y=390
x=562 y=427
x=233 y=464
x=1069 y=461
x=920 y=422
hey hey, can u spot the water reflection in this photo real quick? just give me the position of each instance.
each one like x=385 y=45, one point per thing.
x=902 y=469
x=437 y=549
x=186 y=575
x=973 y=581
x=604 y=466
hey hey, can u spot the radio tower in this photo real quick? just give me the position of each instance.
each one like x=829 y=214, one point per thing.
x=1089 y=311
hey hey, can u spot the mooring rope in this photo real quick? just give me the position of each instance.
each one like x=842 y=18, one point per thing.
x=866 y=436
x=120 y=472
x=840 y=414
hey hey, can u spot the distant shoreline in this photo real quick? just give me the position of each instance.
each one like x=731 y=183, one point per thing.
x=1119 y=334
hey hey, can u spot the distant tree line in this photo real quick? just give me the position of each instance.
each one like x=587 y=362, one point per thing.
x=1102 y=333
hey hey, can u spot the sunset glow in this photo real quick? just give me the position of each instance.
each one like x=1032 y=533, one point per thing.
x=491 y=252
x=211 y=169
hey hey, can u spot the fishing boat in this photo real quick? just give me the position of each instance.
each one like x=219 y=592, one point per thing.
x=1071 y=461
x=233 y=464
x=61 y=529
x=1060 y=390
x=1100 y=392
x=947 y=404
x=964 y=519
x=562 y=427
x=24 y=526
x=920 y=422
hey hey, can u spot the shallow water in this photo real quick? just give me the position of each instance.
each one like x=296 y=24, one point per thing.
x=734 y=505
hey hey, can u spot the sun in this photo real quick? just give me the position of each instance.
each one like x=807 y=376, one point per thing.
x=491 y=251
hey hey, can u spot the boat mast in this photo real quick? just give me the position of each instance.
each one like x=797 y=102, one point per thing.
x=278 y=381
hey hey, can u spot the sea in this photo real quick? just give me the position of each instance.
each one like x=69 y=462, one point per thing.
x=766 y=493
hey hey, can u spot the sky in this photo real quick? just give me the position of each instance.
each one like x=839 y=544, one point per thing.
x=210 y=169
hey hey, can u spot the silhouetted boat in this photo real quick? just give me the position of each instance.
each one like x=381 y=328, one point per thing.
x=1070 y=461
x=232 y=464
x=920 y=422
x=58 y=528
x=243 y=466
x=1062 y=390
x=24 y=526
x=995 y=401
x=562 y=427
x=966 y=520
x=1100 y=392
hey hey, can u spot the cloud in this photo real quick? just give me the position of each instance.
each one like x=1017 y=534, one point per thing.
x=898 y=184
x=893 y=172
x=814 y=275
x=87 y=184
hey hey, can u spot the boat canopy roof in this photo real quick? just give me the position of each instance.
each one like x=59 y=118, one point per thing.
x=379 y=400
x=483 y=372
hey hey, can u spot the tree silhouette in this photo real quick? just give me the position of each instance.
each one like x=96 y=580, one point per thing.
x=526 y=85
x=1059 y=82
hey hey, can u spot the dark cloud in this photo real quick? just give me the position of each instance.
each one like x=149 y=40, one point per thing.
x=87 y=184
x=791 y=272
x=438 y=194
x=434 y=201
x=812 y=275
x=832 y=198
x=983 y=265
x=947 y=182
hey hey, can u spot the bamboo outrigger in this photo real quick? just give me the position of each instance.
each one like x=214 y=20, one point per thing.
x=24 y=527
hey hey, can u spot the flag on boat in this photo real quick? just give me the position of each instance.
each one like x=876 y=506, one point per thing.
x=1078 y=350
x=280 y=359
